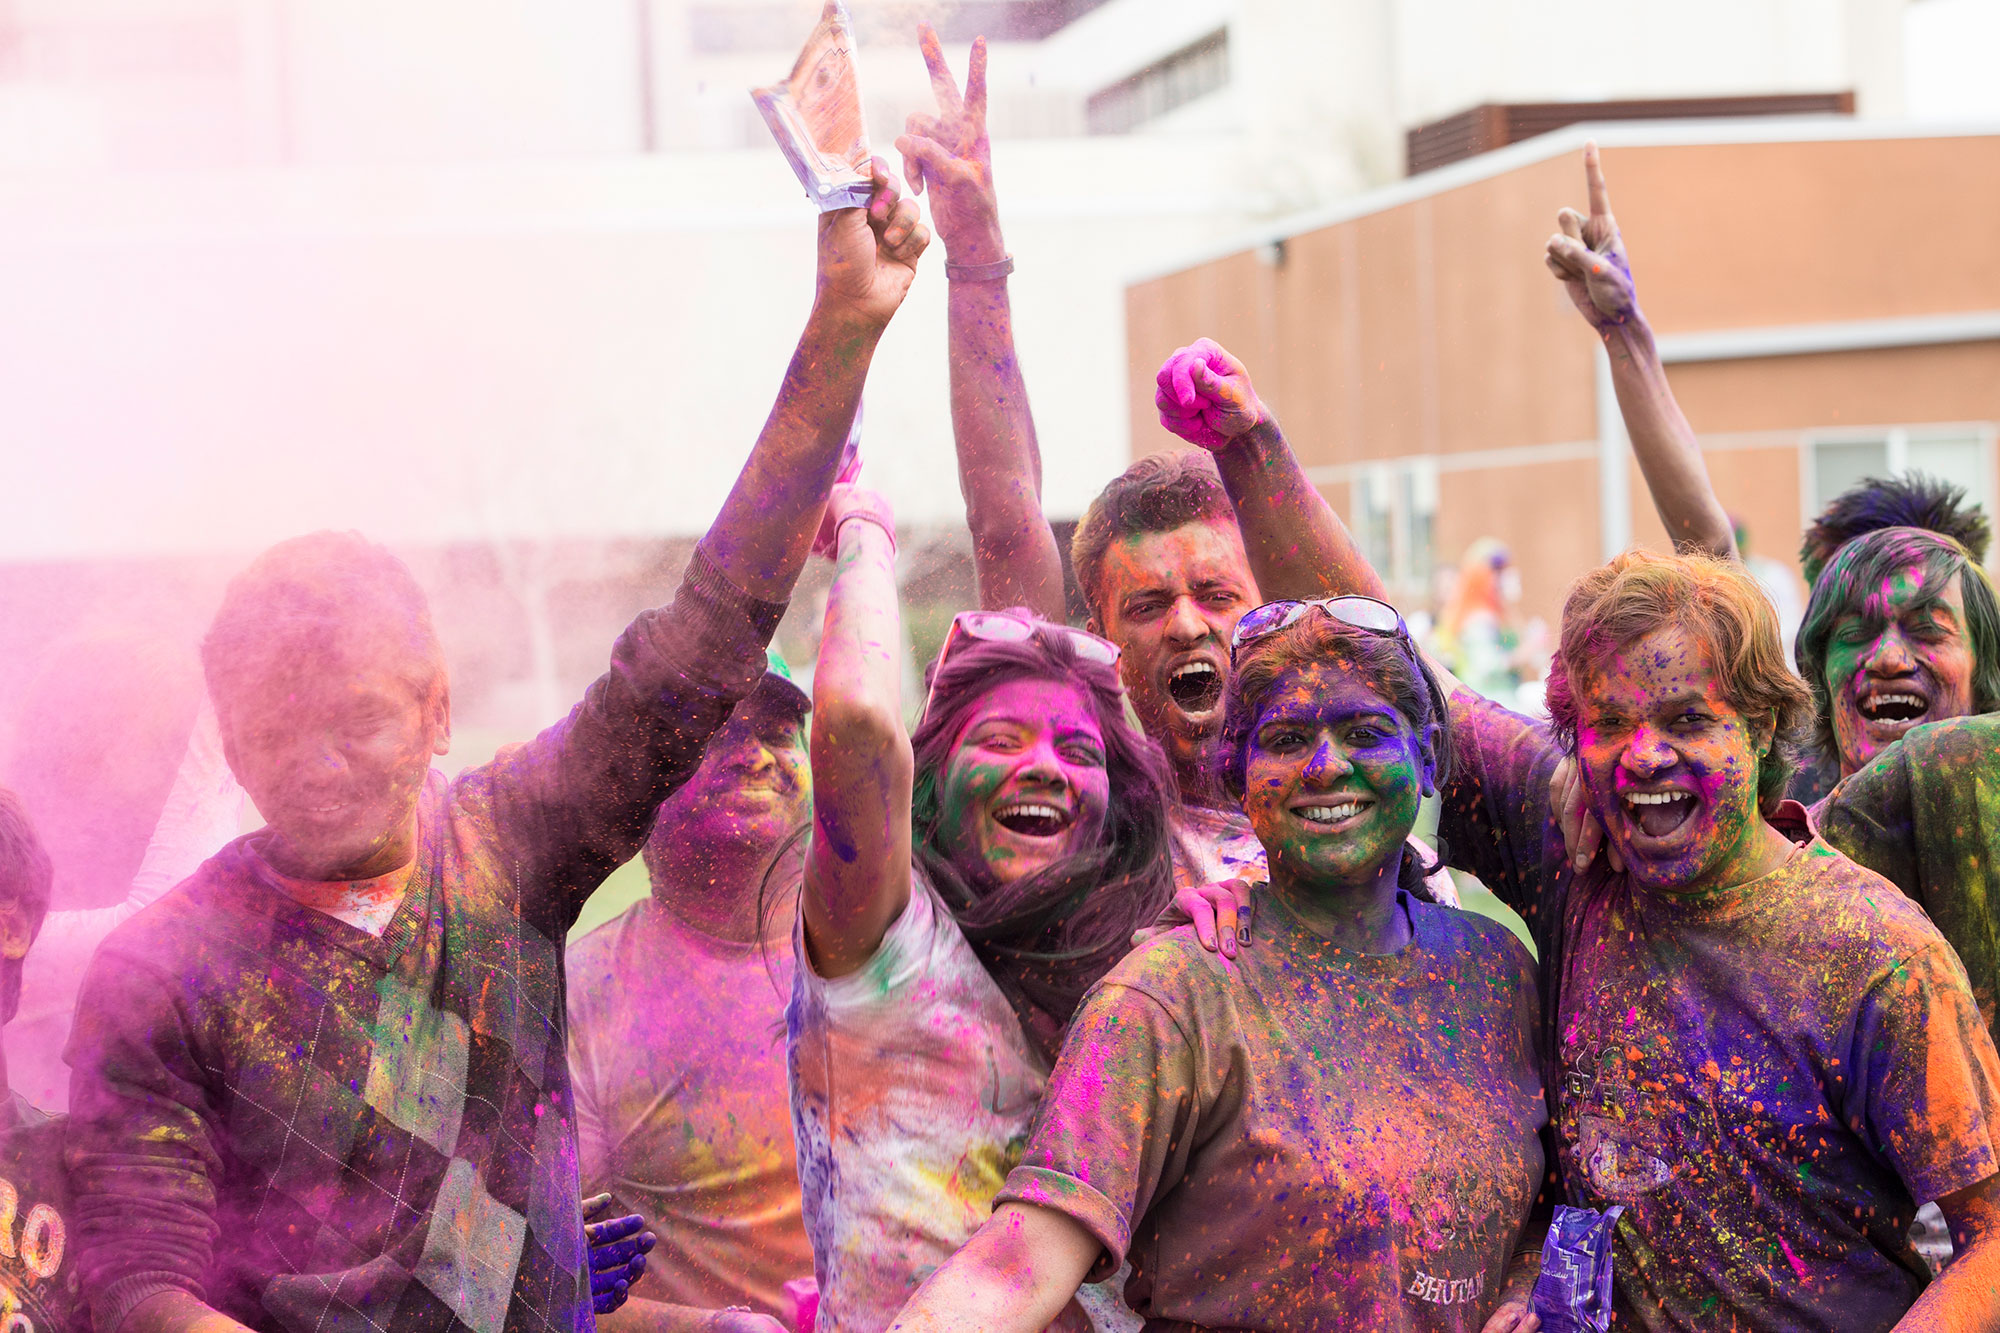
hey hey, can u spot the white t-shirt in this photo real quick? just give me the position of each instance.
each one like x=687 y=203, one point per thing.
x=913 y=1089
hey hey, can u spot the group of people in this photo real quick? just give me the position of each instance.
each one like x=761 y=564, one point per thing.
x=1115 y=992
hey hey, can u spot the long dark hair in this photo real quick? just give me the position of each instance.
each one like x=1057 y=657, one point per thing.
x=1390 y=666
x=1046 y=938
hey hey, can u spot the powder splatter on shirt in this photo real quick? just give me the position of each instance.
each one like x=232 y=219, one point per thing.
x=913 y=1087
x=1305 y=1137
x=1768 y=1078
x=677 y=1054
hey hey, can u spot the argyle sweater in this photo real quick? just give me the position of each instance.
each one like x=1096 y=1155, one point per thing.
x=317 y=1130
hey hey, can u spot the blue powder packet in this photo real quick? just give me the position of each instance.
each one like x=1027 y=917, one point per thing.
x=1573 y=1294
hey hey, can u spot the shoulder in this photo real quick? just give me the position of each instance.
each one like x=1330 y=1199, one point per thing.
x=207 y=905
x=1176 y=972
x=595 y=951
x=1858 y=911
x=1476 y=942
x=1960 y=740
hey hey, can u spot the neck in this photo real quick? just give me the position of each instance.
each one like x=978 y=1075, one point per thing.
x=713 y=888
x=1363 y=917
x=1194 y=778
x=1762 y=850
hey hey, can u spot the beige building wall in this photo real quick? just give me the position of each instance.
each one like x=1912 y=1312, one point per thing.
x=1419 y=329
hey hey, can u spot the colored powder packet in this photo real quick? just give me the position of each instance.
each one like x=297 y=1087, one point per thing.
x=1573 y=1293
x=815 y=115
x=801 y=1297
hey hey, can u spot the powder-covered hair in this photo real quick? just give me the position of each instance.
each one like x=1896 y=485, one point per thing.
x=1717 y=605
x=1864 y=566
x=330 y=597
x=1158 y=493
x=1048 y=937
x=1396 y=674
x=26 y=880
x=1913 y=500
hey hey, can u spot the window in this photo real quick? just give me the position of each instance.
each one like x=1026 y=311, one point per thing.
x=1168 y=83
x=1959 y=454
x=1394 y=521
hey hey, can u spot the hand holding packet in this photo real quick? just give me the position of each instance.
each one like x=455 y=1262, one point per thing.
x=815 y=115
x=1573 y=1293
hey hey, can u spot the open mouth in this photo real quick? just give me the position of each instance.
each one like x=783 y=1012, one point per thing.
x=1336 y=811
x=1032 y=819
x=1659 y=813
x=1892 y=707
x=1196 y=687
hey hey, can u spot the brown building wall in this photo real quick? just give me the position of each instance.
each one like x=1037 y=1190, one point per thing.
x=1429 y=326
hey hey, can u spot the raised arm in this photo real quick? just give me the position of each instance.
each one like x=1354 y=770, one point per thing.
x=999 y=463
x=1298 y=546
x=1588 y=255
x=857 y=874
x=867 y=258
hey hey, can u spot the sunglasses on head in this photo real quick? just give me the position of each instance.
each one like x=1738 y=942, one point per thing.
x=1362 y=613
x=1006 y=627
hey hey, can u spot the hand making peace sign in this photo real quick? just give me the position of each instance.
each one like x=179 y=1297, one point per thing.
x=950 y=154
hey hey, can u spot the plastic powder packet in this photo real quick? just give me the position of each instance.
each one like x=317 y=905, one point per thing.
x=1573 y=1294
x=815 y=115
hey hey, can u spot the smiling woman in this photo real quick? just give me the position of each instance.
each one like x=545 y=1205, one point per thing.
x=964 y=887
x=1244 y=1131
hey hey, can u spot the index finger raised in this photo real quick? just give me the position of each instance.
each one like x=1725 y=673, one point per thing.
x=942 y=84
x=1593 y=176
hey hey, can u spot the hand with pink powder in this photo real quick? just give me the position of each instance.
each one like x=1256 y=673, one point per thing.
x=848 y=501
x=951 y=155
x=1205 y=396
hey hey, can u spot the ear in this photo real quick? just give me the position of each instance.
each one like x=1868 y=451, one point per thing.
x=1095 y=628
x=1427 y=749
x=440 y=720
x=15 y=933
x=1764 y=733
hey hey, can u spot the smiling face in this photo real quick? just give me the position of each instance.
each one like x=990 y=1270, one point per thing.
x=1902 y=658
x=335 y=760
x=753 y=789
x=1171 y=600
x=1333 y=777
x=1671 y=767
x=1025 y=785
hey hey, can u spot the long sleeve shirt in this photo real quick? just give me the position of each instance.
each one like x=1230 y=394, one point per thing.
x=310 y=1127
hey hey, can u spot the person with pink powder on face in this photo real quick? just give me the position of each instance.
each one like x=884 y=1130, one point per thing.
x=1164 y=567
x=965 y=883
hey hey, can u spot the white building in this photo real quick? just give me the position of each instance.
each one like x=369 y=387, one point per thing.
x=446 y=269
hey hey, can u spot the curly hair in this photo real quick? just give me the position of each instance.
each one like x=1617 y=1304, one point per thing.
x=1396 y=673
x=26 y=881
x=326 y=596
x=1158 y=493
x=1719 y=606
x=1913 y=500
x=1048 y=937
x=1867 y=563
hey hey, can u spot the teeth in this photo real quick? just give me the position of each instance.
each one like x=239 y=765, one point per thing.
x=1655 y=797
x=1033 y=812
x=1192 y=669
x=1879 y=700
x=1331 y=814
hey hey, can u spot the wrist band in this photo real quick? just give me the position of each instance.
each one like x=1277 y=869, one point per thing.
x=863 y=516
x=979 y=272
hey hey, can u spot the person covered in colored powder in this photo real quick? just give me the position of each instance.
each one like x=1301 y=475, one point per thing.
x=1340 y=1128
x=1901 y=629
x=1768 y=1127
x=1158 y=554
x=323 y=1085
x=1476 y=634
x=677 y=1034
x=964 y=885
x=38 y=1271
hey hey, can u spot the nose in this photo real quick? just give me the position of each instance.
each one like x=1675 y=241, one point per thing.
x=1890 y=655
x=1186 y=626
x=1647 y=754
x=1327 y=765
x=760 y=760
